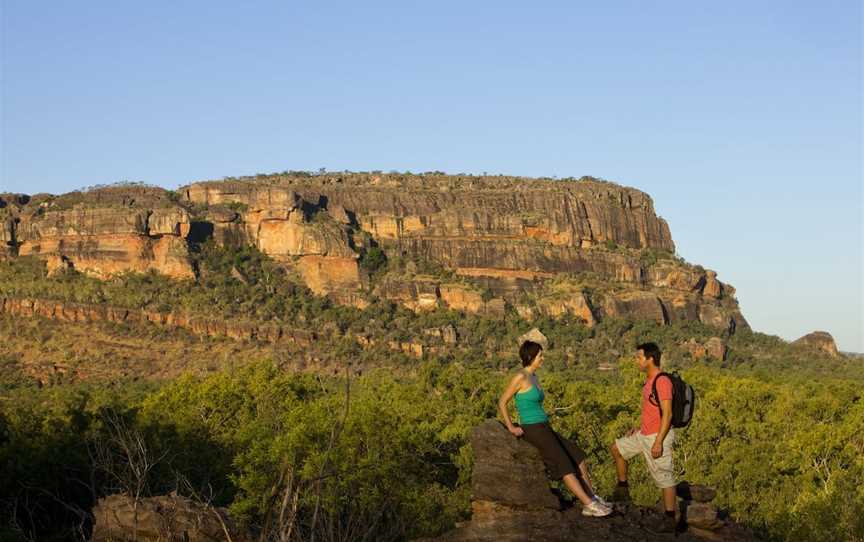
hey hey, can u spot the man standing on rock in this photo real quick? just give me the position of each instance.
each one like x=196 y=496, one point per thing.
x=654 y=439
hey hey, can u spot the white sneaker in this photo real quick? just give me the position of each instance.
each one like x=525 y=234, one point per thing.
x=601 y=500
x=596 y=510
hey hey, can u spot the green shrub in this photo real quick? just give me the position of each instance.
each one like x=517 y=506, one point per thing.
x=373 y=260
x=237 y=206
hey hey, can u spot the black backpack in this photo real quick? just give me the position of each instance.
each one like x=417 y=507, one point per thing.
x=683 y=399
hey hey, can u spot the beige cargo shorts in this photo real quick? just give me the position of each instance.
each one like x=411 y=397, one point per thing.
x=662 y=469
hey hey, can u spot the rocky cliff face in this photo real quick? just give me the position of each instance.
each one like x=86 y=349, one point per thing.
x=587 y=248
x=479 y=226
x=102 y=232
x=503 y=235
x=561 y=213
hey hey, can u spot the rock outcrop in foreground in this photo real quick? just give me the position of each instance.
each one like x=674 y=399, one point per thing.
x=119 y=518
x=584 y=248
x=512 y=502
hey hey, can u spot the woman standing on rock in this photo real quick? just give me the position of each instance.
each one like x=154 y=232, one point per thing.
x=564 y=460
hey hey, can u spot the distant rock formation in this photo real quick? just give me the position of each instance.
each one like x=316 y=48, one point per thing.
x=533 y=335
x=512 y=501
x=586 y=249
x=205 y=327
x=821 y=340
x=712 y=348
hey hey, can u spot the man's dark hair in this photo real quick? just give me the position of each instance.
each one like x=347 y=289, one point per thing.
x=528 y=351
x=652 y=351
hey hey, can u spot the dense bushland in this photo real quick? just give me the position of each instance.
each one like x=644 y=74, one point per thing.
x=386 y=456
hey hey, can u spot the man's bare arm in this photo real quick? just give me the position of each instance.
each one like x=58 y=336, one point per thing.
x=665 y=425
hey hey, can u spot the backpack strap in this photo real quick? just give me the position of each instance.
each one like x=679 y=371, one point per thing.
x=654 y=399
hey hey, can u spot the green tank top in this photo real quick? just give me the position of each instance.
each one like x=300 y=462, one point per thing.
x=529 y=404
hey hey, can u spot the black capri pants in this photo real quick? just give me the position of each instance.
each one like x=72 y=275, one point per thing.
x=560 y=456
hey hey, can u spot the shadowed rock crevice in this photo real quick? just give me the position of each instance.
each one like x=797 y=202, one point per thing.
x=200 y=232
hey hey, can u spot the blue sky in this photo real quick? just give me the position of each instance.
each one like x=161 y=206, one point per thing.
x=743 y=120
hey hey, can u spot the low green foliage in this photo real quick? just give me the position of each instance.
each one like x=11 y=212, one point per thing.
x=650 y=256
x=237 y=206
x=784 y=455
x=373 y=260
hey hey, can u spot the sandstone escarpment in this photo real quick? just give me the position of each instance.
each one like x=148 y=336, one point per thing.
x=101 y=232
x=490 y=225
x=393 y=207
x=585 y=248
x=505 y=235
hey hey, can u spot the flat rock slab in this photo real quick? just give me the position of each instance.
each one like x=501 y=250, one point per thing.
x=164 y=518
x=702 y=515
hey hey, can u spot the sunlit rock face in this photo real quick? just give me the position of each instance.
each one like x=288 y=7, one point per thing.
x=586 y=249
x=819 y=340
x=102 y=232
x=493 y=225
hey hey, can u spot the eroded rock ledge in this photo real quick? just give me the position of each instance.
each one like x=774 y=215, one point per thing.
x=205 y=327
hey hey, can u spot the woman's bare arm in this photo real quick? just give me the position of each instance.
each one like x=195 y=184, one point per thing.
x=511 y=389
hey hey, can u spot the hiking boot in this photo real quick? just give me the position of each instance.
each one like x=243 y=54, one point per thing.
x=595 y=509
x=660 y=524
x=601 y=500
x=621 y=494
